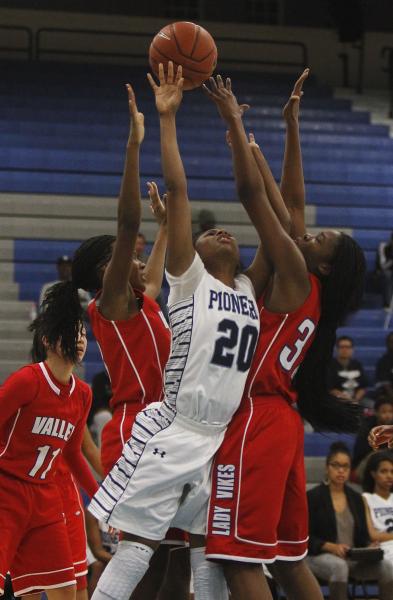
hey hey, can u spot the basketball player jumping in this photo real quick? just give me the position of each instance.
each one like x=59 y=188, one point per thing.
x=258 y=477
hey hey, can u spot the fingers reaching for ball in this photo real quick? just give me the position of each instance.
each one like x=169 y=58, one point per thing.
x=137 y=125
x=170 y=91
x=223 y=97
x=156 y=204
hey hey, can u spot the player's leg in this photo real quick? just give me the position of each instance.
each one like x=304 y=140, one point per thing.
x=291 y=570
x=149 y=586
x=246 y=581
x=63 y=593
x=209 y=579
x=296 y=580
x=126 y=568
x=176 y=584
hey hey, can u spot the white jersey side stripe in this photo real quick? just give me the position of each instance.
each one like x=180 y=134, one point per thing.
x=11 y=432
x=130 y=360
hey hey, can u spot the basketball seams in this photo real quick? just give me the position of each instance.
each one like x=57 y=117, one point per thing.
x=185 y=68
x=198 y=30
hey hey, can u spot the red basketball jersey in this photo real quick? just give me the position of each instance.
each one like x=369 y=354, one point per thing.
x=39 y=419
x=135 y=352
x=283 y=342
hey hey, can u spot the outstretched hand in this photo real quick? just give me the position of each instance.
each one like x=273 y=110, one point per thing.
x=137 y=125
x=378 y=436
x=158 y=206
x=169 y=93
x=291 y=109
x=224 y=98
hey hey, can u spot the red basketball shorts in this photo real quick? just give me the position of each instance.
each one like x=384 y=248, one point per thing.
x=114 y=435
x=258 y=507
x=75 y=523
x=34 y=546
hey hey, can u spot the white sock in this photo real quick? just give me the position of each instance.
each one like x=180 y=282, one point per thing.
x=209 y=580
x=124 y=571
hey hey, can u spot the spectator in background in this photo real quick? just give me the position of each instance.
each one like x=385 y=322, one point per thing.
x=383 y=408
x=377 y=486
x=384 y=369
x=385 y=269
x=140 y=248
x=100 y=412
x=63 y=265
x=337 y=524
x=346 y=377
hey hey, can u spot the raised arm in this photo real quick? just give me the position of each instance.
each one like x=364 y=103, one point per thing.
x=154 y=270
x=292 y=178
x=272 y=190
x=291 y=283
x=168 y=94
x=118 y=299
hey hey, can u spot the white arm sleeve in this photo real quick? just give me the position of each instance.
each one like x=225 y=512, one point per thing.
x=183 y=286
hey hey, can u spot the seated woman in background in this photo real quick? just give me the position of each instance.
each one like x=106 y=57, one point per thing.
x=378 y=497
x=338 y=523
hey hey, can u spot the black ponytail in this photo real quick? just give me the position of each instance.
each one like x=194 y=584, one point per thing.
x=91 y=255
x=60 y=320
x=342 y=291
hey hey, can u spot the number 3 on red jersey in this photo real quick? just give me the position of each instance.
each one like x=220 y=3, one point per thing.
x=43 y=452
x=289 y=355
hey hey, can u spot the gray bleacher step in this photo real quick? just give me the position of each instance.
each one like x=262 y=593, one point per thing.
x=15 y=310
x=7 y=272
x=13 y=329
x=49 y=217
x=9 y=291
x=9 y=366
x=315 y=468
x=16 y=349
x=6 y=250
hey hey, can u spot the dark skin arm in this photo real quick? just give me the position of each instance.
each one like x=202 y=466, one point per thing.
x=118 y=300
x=168 y=95
x=290 y=282
x=154 y=270
x=292 y=178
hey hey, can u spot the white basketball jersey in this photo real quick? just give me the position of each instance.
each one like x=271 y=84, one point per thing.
x=214 y=333
x=381 y=512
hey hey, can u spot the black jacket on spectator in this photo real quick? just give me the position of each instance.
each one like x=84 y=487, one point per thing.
x=322 y=518
x=384 y=370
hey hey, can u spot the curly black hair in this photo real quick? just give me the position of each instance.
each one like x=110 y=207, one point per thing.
x=60 y=320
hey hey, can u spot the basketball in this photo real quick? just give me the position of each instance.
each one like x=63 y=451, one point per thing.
x=188 y=45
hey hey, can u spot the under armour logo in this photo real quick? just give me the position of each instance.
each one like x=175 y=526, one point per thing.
x=160 y=452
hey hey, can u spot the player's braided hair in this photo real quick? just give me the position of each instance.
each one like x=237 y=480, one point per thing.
x=368 y=483
x=60 y=320
x=342 y=291
x=88 y=258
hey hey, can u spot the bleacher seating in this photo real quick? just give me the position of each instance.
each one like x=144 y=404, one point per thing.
x=63 y=130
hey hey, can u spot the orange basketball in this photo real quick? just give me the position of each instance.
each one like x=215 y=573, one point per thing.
x=188 y=45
